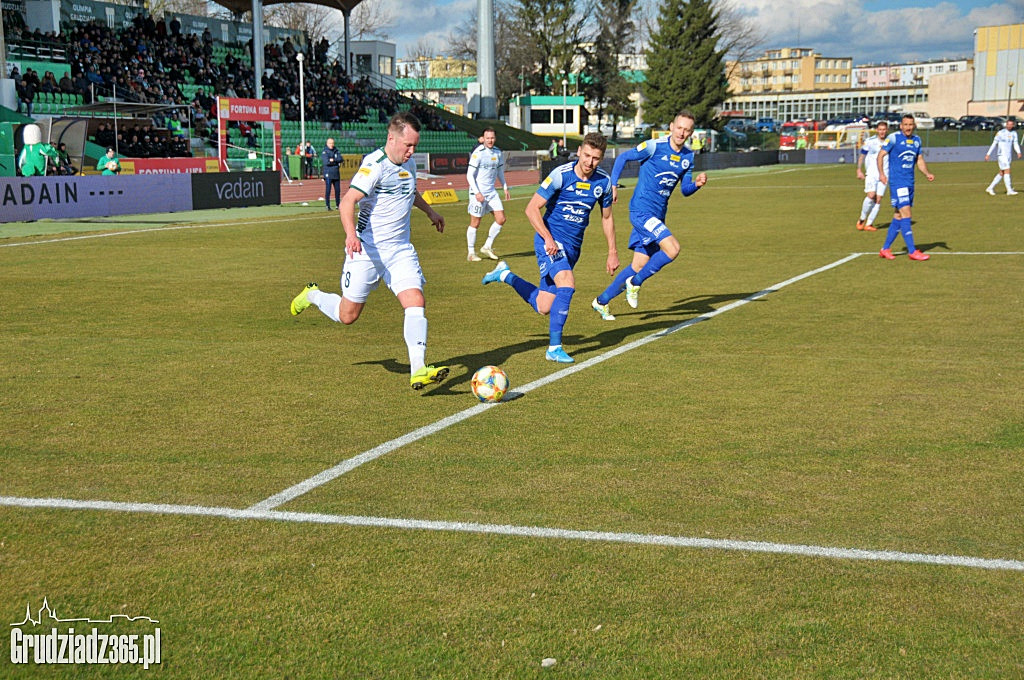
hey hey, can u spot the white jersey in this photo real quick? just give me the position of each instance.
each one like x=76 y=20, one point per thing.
x=485 y=166
x=1005 y=144
x=870 y=150
x=385 y=211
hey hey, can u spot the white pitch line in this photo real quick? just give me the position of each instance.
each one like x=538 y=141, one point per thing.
x=955 y=252
x=660 y=540
x=305 y=486
x=155 y=229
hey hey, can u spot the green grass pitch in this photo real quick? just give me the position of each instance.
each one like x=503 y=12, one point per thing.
x=874 y=405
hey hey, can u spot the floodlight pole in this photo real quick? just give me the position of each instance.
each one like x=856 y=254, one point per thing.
x=565 y=84
x=1009 y=91
x=302 y=102
x=257 y=47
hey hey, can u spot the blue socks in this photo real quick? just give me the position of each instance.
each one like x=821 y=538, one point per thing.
x=559 y=314
x=657 y=261
x=908 y=234
x=526 y=290
x=894 y=229
x=617 y=286
x=899 y=226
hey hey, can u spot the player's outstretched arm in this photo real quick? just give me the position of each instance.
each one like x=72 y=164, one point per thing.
x=435 y=217
x=608 y=225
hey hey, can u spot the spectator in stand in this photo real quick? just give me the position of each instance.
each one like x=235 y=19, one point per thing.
x=175 y=27
x=26 y=93
x=309 y=156
x=64 y=166
x=49 y=83
x=65 y=85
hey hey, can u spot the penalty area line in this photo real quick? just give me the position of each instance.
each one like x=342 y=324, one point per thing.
x=332 y=473
x=660 y=540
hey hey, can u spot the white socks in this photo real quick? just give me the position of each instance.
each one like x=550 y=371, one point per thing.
x=1006 y=181
x=471 y=239
x=874 y=213
x=328 y=303
x=416 y=337
x=995 y=181
x=865 y=207
x=492 y=234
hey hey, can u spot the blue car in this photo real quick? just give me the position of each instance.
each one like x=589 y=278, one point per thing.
x=766 y=125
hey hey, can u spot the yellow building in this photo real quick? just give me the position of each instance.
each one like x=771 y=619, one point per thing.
x=789 y=69
x=999 y=70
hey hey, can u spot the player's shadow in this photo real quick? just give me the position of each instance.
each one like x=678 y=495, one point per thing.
x=470 y=362
x=932 y=246
x=661 y=319
x=581 y=346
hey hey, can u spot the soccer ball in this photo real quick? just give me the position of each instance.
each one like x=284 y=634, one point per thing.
x=490 y=384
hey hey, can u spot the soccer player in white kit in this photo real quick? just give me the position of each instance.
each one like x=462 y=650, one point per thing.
x=1005 y=143
x=486 y=165
x=873 y=188
x=378 y=247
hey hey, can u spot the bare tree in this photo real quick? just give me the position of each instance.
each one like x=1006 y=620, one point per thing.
x=158 y=8
x=421 y=51
x=739 y=36
x=371 y=19
x=316 y=21
x=515 y=50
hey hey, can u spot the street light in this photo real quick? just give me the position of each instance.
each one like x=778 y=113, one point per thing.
x=565 y=84
x=1009 y=90
x=302 y=106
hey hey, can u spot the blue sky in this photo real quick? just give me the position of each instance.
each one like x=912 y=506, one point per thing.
x=870 y=31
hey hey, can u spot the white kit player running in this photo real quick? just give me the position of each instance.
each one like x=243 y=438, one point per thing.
x=486 y=166
x=1004 y=144
x=873 y=188
x=378 y=247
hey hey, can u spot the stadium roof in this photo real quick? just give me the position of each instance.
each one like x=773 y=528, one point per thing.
x=240 y=6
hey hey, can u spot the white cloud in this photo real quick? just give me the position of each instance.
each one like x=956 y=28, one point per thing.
x=842 y=29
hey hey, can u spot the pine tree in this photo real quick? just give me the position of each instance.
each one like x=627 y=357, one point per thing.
x=685 y=68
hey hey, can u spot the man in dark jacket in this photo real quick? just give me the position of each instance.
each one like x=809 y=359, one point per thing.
x=331 y=160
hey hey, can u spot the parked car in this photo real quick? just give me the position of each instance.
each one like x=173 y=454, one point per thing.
x=741 y=124
x=735 y=137
x=923 y=120
x=947 y=123
x=766 y=125
x=642 y=131
x=975 y=123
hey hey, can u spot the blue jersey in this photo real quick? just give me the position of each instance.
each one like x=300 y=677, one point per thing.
x=661 y=169
x=902 y=153
x=570 y=202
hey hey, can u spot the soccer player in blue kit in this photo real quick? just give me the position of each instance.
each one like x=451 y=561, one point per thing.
x=570 y=193
x=904 y=147
x=664 y=163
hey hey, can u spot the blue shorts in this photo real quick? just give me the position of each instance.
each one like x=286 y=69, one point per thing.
x=648 y=232
x=550 y=265
x=901 y=197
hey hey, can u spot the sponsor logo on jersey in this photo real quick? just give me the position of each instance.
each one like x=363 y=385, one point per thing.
x=403 y=174
x=582 y=186
x=673 y=157
x=364 y=171
x=546 y=183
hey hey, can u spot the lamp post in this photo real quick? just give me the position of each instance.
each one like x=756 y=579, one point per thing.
x=565 y=84
x=302 y=104
x=1009 y=91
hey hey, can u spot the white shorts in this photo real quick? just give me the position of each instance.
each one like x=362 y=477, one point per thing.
x=1004 y=163
x=491 y=203
x=872 y=185
x=398 y=267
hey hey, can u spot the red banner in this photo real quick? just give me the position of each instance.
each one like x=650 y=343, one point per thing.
x=167 y=166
